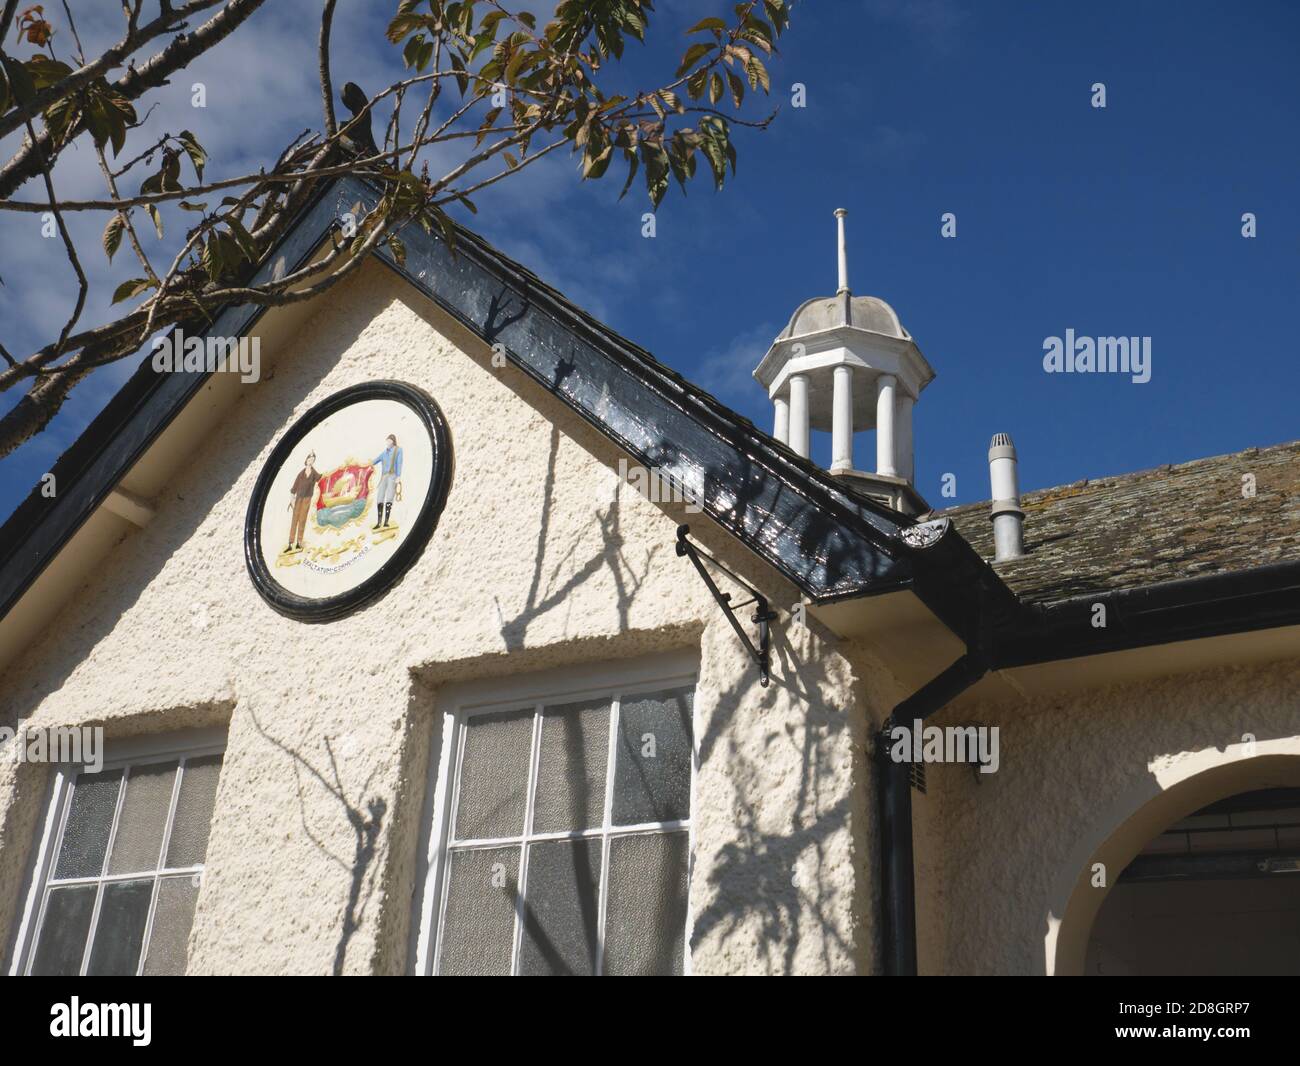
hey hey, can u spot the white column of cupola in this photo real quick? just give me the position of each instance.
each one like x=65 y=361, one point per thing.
x=842 y=420
x=781 y=419
x=800 y=434
x=845 y=364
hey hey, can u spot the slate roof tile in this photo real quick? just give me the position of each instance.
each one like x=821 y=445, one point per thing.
x=1175 y=521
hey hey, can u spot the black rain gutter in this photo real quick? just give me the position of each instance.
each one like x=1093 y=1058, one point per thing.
x=1242 y=601
x=1266 y=597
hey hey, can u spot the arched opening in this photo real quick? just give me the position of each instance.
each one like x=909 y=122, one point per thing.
x=1216 y=893
x=1132 y=819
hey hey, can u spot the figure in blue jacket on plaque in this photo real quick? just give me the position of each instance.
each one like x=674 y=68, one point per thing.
x=390 y=471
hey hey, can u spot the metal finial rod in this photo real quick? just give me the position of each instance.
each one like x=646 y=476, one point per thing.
x=840 y=214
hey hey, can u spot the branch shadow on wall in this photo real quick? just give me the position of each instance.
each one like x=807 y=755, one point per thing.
x=365 y=819
x=754 y=876
x=547 y=591
x=745 y=877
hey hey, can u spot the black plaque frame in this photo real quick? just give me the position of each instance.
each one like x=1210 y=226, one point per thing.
x=329 y=608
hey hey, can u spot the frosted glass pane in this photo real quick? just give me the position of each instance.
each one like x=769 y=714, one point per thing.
x=63 y=932
x=138 y=842
x=189 y=840
x=571 y=768
x=479 y=928
x=561 y=908
x=172 y=918
x=645 y=923
x=85 y=837
x=119 y=932
x=652 y=771
x=494 y=775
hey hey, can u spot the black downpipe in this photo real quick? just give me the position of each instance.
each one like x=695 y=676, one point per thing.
x=898 y=876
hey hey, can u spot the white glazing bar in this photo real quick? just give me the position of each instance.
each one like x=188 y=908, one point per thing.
x=522 y=896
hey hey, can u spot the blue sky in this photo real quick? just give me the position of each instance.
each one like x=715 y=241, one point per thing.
x=1117 y=221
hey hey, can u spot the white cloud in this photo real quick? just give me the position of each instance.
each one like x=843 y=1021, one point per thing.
x=728 y=372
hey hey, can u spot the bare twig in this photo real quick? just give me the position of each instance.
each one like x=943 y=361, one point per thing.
x=127 y=223
x=82 y=285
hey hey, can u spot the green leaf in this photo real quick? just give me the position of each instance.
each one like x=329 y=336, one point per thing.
x=489 y=120
x=693 y=55
x=462 y=81
x=737 y=88
x=170 y=174
x=756 y=31
x=411 y=53
x=228 y=252
x=696 y=82
x=156 y=215
x=707 y=24
x=632 y=164
x=243 y=238
x=20 y=80
x=211 y=257
x=716 y=147
x=117 y=123
x=131 y=288
x=186 y=205
x=594 y=165
x=45 y=71
x=113 y=235
x=198 y=157
x=405 y=22
x=777 y=13
x=716 y=88
x=97 y=122
x=656 y=172
x=398 y=249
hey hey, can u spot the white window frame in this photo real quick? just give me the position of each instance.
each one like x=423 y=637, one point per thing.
x=616 y=680
x=118 y=754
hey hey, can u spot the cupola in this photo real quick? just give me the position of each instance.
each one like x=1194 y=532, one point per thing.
x=845 y=365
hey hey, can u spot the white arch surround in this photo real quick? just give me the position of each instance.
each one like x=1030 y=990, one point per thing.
x=1173 y=790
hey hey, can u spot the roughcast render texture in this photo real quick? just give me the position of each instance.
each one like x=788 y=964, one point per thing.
x=311 y=863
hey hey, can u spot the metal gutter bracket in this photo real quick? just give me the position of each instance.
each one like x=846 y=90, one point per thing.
x=763 y=615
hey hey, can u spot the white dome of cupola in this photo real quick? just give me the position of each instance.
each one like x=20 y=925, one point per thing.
x=827 y=312
x=845 y=364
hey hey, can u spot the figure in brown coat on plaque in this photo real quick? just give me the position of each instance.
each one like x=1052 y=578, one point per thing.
x=304 y=487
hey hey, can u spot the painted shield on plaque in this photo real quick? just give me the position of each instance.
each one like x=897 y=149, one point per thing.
x=347 y=500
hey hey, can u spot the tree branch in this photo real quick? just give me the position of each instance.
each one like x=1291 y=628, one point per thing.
x=326 y=87
x=179 y=53
x=111 y=58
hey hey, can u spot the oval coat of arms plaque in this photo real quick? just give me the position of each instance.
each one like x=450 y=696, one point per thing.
x=347 y=500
